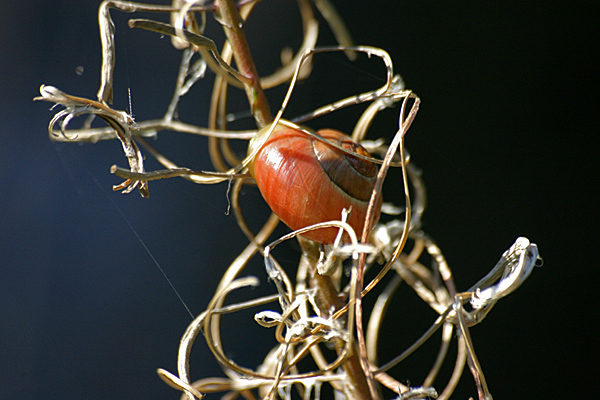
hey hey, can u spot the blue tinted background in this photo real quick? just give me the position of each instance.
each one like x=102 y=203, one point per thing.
x=506 y=138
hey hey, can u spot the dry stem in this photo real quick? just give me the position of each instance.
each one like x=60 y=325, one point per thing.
x=328 y=299
x=233 y=26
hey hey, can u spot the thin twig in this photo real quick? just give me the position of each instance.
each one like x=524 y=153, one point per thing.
x=233 y=26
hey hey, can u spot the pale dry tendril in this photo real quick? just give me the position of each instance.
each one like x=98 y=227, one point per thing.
x=303 y=321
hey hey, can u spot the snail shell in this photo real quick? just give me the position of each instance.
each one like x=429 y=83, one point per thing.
x=306 y=181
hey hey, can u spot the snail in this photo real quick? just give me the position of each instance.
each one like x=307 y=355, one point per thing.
x=306 y=181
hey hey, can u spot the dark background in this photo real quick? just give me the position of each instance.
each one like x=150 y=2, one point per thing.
x=505 y=136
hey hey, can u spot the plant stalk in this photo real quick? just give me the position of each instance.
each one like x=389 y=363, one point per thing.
x=357 y=387
x=327 y=298
x=233 y=26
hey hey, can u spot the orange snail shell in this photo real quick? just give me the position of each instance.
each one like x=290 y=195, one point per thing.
x=306 y=181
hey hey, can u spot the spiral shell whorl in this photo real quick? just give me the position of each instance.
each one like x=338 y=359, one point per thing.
x=306 y=181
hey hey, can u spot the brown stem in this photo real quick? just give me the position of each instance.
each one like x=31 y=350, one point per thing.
x=233 y=26
x=327 y=298
x=357 y=387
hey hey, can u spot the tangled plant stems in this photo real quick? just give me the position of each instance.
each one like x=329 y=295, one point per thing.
x=326 y=187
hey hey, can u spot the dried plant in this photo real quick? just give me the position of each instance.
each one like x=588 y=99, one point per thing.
x=320 y=311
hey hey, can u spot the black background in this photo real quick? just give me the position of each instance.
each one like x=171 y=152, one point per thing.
x=505 y=136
